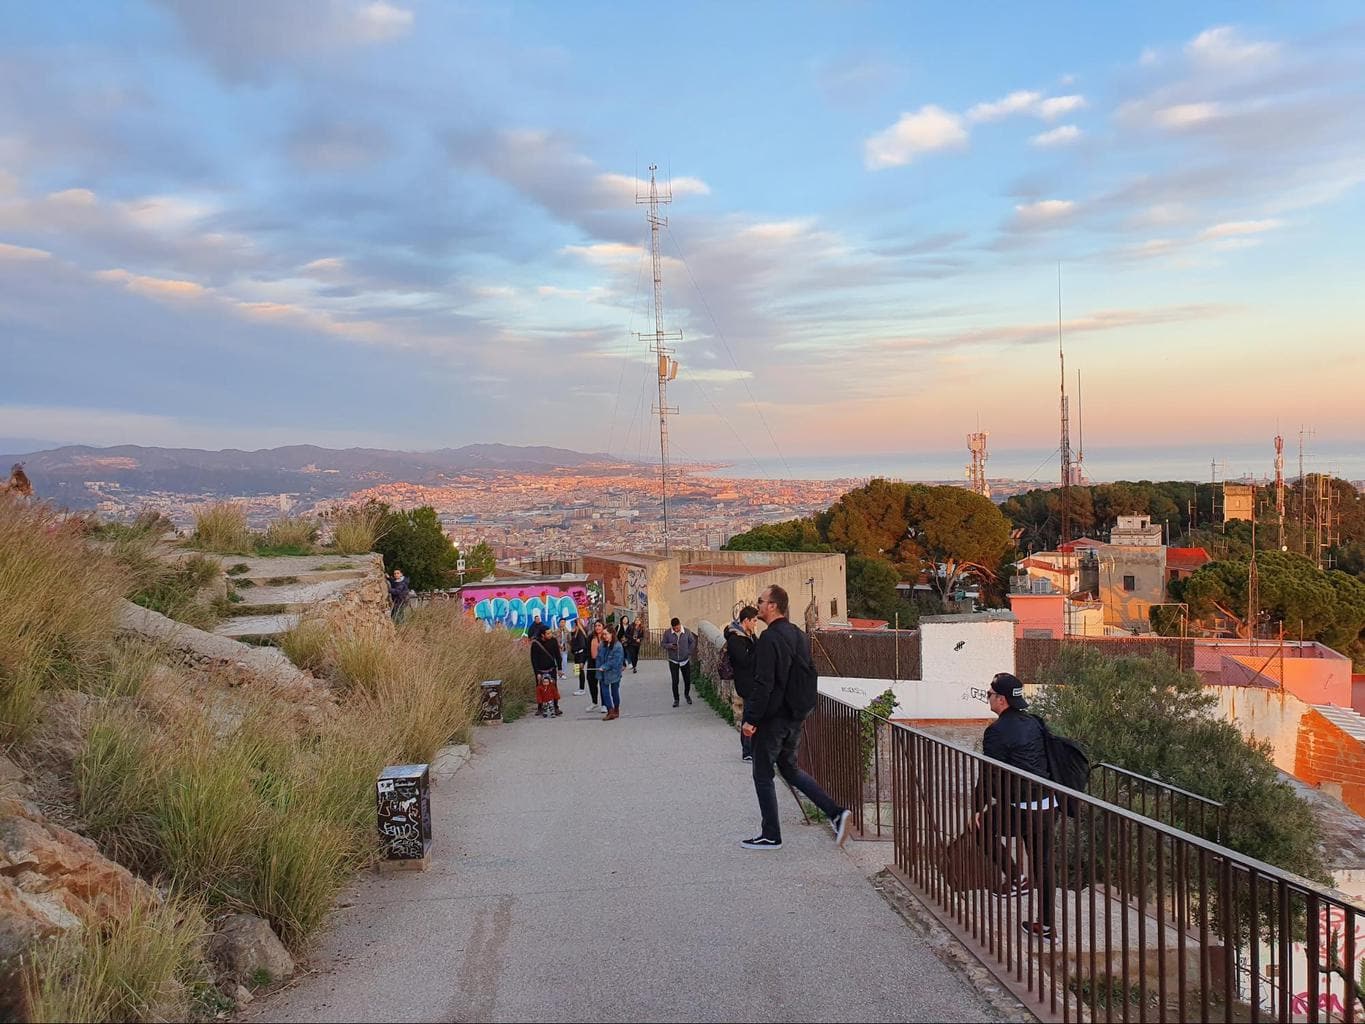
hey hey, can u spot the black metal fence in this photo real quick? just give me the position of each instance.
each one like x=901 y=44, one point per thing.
x=1167 y=804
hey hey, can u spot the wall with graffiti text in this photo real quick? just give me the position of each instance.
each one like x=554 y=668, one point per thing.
x=515 y=607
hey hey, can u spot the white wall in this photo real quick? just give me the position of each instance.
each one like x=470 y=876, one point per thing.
x=966 y=651
x=1263 y=714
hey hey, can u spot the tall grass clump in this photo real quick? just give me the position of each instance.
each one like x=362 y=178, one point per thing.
x=221 y=527
x=306 y=644
x=356 y=529
x=175 y=589
x=290 y=536
x=58 y=601
x=139 y=966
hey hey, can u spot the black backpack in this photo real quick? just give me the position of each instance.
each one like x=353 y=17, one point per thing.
x=803 y=685
x=724 y=668
x=1067 y=763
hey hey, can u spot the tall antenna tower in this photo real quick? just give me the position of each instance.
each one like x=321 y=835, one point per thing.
x=1065 y=447
x=1303 y=499
x=976 y=444
x=1078 y=471
x=1279 y=486
x=667 y=366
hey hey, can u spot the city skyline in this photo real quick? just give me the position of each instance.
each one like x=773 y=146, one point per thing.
x=413 y=225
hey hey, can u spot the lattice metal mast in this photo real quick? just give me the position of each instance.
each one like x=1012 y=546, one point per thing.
x=976 y=444
x=1065 y=447
x=667 y=367
x=1279 y=487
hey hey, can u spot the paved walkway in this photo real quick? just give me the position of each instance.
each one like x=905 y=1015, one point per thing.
x=591 y=871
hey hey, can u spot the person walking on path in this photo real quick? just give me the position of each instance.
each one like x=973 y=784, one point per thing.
x=579 y=641
x=679 y=645
x=594 y=677
x=611 y=661
x=399 y=592
x=545 y=661
x=784 y=692
x=1017 y=739
x=739 y=644
x=631 y=639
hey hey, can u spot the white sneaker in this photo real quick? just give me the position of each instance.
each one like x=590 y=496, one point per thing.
x=579 y=693
x=594 y=707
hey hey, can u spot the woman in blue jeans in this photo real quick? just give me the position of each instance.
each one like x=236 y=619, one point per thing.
x=611 y=660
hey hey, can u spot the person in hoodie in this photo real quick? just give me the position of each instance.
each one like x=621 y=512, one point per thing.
x=399 y=592
x=739 y=642
x=611 y=661
x=545 y=662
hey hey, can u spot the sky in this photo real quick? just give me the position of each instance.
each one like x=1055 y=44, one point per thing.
x=415 y=224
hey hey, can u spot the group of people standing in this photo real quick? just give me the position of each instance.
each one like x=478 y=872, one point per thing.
x=600 y=651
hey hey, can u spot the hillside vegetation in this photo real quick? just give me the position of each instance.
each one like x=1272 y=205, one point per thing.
x=237 y=798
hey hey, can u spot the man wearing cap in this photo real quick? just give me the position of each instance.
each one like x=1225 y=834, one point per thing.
x=1014 y=809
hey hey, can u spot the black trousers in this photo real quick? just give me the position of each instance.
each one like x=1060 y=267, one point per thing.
x=582 y=674
x=776 y=743
x=673 y=670
x=592 y=680
x=1033 y=829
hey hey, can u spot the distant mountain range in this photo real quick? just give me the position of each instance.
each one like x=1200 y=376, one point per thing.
x=61 y=474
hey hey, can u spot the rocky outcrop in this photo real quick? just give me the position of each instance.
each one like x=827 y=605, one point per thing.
x=248 y=951
x=51 y=879
x=199 y=648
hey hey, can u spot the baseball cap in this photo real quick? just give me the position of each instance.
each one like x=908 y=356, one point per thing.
x=1007 y=684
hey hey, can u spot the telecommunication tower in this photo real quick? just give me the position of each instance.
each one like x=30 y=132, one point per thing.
x=667 y=366
x=1279 y=487
x=976 y=444
x=1065 y=447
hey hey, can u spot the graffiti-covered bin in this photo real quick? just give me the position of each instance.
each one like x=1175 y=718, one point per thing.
x=403 y=798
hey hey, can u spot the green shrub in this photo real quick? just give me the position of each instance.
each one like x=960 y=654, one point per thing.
x=175 y=589
x=138 y=966
x=58 y=600
x=1145 y=714
x=221 y=528
x=355 y=530
x=416 y=542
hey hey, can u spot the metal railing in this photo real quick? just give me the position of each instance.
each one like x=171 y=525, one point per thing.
x=848 y=750
x=1147 y=922
x=1153 y=798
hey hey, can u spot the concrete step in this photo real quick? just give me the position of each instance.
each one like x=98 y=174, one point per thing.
x=257 y=625
x=305 y=592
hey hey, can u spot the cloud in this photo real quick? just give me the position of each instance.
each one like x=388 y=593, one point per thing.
x=153 y=287
x=856 y=78
x=22 y=252
x=1223 y=47
x=1230 y=229
x=927 y=130
x=1187 y=115
x=1043 y=212
x=251 y=40
x=1025 y=102
x=1062 y=135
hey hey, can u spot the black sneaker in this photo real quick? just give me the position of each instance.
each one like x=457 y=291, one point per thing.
x=1043 y=931
x=748 y=757
x=688 y=699
x=675 y=703
x=840 y=823
x=762 y=843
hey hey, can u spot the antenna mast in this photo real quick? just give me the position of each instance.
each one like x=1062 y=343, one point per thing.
x=1279 y=486
x=667 y=366
x=1066 y=426
x=976 y=444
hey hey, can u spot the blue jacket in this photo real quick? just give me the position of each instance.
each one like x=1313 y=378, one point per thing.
x=610 y=662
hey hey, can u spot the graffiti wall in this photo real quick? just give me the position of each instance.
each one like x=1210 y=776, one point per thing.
x=516 y=606
x=625 y=586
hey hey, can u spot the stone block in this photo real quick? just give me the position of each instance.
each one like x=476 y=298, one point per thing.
x=244 y=945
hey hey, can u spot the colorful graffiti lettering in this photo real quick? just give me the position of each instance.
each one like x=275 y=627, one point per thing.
x=1331 y=1003
x=516 y=608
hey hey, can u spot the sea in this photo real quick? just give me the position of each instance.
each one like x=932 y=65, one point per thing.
x=1199 y=463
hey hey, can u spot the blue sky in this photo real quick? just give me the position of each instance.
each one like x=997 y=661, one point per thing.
x=413 y=224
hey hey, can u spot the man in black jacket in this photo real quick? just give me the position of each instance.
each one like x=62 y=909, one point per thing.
x=778 y=702
x=739 y=643
x=1014 y=807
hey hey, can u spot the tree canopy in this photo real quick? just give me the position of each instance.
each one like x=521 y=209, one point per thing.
x=1325 y=605
x=415 y=542
x=791 y=535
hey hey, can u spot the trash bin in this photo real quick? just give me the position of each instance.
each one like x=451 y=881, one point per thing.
x=403 y=799
x=490 y=710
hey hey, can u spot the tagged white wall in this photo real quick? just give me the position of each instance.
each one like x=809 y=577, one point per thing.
x=917 y=699
x=966 y=650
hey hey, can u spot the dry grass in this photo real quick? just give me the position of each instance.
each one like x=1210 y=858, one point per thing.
x=297 y=534
x=136 y=967
x=175 y=589
x=57 y=605
x=355 y=530
x=306 y=644
x=221 y=528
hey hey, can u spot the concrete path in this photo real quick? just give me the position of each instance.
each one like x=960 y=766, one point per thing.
x=589 y=870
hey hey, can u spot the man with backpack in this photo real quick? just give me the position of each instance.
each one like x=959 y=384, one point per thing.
x=784 y=692
x=1020 y=740
x=737 y=664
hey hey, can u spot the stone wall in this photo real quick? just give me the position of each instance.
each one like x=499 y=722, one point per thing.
x=362 y=606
